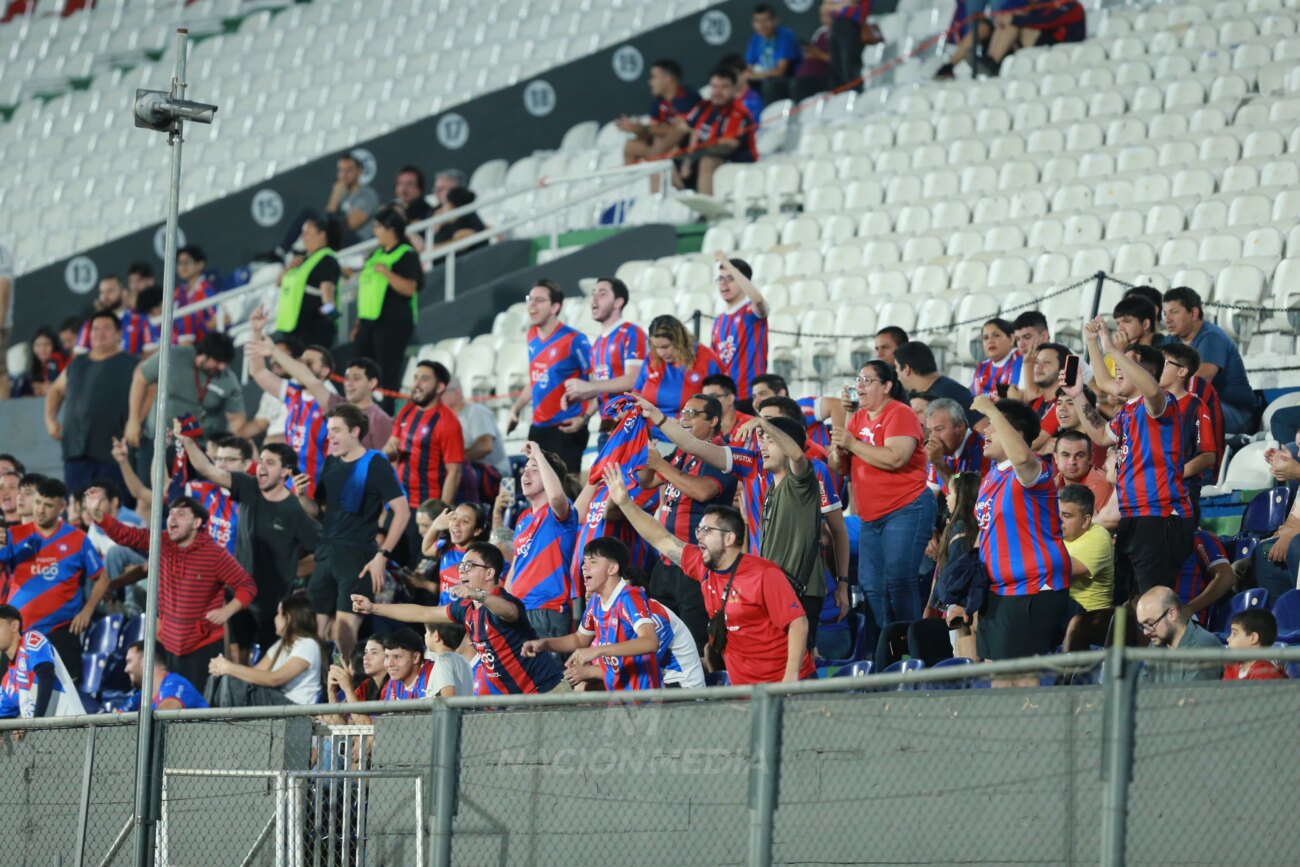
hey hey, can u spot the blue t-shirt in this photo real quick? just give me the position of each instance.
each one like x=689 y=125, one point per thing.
x=765 y=54
x=172 y=686
x=1215 y=347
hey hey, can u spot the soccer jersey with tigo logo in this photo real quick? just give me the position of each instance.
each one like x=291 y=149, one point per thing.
x=740 y=342
x=502 y=668
x=628 y=608
x=19 y=686
x=681 y=514
x=611 y=352
x=173 y=686
x=46 y=584
x=679 y=661
x=304 y=430
x=223 y=512
x=565 y=354
x=1020 y=533
x=543 y=549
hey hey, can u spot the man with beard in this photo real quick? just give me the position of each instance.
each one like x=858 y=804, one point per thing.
x=1048 y=362
x=273 y=534
x=137 y=333
x=427 y=447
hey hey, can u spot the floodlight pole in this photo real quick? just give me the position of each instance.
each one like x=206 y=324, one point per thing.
x=145 y=818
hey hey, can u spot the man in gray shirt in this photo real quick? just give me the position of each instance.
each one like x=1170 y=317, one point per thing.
x=1161 y=617
x=482 y=436
x=200 y=384
x=352 y=202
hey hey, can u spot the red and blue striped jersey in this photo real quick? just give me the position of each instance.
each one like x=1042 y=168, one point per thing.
x=737 y=442
x=304 y=431
x=855 y=11
x=46 y=586
x=1198 y=432
x=428 y=438
x=223 y=512
x=192 y=326
x=18 y=688
x=969 y=458
x=668 y=386
x=543 y=550
x=681 y=514
x=1201 y=387
x=664 y=110
x=1149 y=469
x=740 y=341
x=611 y=352
x=1198 y=568
x=138 y=333
x=628 y=609
x=565 y=354
x=172 y=686
x=818 y=432
x=396 y=690
x=679 y=661
x=733 y=121
x=990 y=374
x=1020 y=533
x=449 y=557
x=502 y=668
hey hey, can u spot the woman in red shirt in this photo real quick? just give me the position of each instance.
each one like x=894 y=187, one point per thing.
x=880 y=446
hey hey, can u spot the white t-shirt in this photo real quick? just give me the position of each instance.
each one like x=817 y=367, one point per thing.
x=274 y=411
x=450 y=669
x=305 y=687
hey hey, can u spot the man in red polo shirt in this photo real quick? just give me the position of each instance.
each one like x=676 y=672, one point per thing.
x=766 y=628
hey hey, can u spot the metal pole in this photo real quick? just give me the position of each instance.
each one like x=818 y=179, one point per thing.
x=1096 y=294
x=764 y=768
x=144 y=820
x=446 y=755
x=87 y=776
x=1117 y=749
x=449 y=277
x=696 y=318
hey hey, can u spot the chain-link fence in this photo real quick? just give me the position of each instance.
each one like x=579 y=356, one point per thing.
x=1099 y=763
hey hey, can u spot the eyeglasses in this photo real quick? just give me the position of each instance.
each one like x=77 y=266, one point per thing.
x=537 y=299
x=863 y=380
x=466 y=565
x=701 y=531
x=1150 y=626
x=690 y=413
x=724 y=278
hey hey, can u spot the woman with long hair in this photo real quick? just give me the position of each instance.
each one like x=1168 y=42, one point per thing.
x=958 y=538
x=308 y=284
x=1002 y=361
x=880 y=448
x=364 y=681
x=46 y=364
x=676 y=368
x=446 y=540
x=288 y=673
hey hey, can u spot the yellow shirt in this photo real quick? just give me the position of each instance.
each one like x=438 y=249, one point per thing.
x=1094 y=550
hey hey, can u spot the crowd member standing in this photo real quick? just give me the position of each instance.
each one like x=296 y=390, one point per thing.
x=192 y=286
x=194 y=574
x=764 y=623
x=677 y=366
x=427 y=447
x=545 y=537
x=52 y=561
x=387 y=306
x=617 y=354
x=1020 y=542
x=1155 y=529
x=1202 y=451
x=355 y=486
x=556 y=354
x=272 y=535
x=305 y=308
x=1002 y=364
x=740 y=332
x=495 y=622
x=880 y=448
x=135 y=332
x=1221 y=362
x=93 y=393
x=618 y=640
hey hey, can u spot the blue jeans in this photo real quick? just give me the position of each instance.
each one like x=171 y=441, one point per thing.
x=1276 y=578
x=890 y=549
x=1237 y=419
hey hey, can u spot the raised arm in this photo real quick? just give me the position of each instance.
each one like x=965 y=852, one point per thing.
x=551 y=483
x=405 y=612
x=712 y=454
x=646 y=526
x=1026 y=464
x=799 y=463
x=138 y=489
x=299 y=372
x=1152 y=394
x=199 y=459
x=1090 y=421
x=742 y=282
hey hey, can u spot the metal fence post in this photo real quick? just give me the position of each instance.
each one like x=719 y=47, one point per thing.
x=87 y=777
x=1096 y=293
x=446 y=766
x=696 y=319
x=1117 y=749
x=764 y=772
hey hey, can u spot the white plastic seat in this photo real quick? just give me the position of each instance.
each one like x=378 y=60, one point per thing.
x=1083 y=229
x=922 y=248
x=1239 y=178
x=800 y=230
x=1052 y=268
x=1219 y=248
x=1178 y=252
x=1249 y=211
x=864 y=194
x=1197 y=183
x=1046 y=234
x=1083 y=136
x=912 y=219
x=1286 y=207
x=1131 y=258
x=1121 y=224
x=949 y=215
x=1072 y=197
x=978 y=179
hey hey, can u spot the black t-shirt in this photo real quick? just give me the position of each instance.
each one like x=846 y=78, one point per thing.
x=396 y=305
x=342 y=527
x=950 y=388
x=417 y=210
x=447 y=231
x=326 y=271
x=95 y=410
x=271 y=537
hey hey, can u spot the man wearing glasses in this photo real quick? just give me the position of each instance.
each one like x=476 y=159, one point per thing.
x=766 y=628
x=494 y=621
x=1164 y=623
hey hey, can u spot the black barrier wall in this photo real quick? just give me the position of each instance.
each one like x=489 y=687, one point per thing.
x=507 y=124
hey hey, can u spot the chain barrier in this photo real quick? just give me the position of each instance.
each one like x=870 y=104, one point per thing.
x=1218 y=305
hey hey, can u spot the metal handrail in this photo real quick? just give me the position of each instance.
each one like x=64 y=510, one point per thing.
x=622 y=175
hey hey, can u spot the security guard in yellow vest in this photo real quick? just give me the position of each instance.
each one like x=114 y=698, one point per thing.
x=306 y=305
x=386 y=298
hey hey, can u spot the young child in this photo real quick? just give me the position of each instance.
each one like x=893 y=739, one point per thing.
x=1254 y=627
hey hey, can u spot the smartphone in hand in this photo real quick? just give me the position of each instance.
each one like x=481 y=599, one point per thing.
x=1071 y=370
x=1002 y=390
